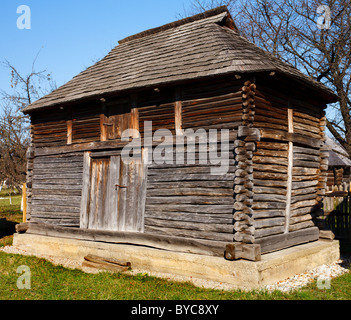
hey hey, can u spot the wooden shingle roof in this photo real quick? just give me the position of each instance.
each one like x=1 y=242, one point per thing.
x=338 y=156
x=201 y=46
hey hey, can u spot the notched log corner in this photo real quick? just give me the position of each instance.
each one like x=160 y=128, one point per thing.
x=236 y=251
x=21 y=227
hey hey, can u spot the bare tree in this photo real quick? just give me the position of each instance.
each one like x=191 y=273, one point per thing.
x=289 y=30
x=14 y=125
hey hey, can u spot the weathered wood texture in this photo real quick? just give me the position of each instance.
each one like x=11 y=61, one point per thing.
x=113 y=194
x=275 y=181
x=244 y=148
x=49 y=128
x=56 y=189
x=212 y=105
x=153 y=240
x=188 y=200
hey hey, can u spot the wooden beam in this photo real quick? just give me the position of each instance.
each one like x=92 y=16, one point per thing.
x=134 y=116
x=103 y=120
x=104 y=145
x=85 y=191
x=178 y=112
x=282 y=241
x=24 y=199
x=290 y=170
x=290 y=137
x=236 y=251
x=169 y=243
x=69 y=131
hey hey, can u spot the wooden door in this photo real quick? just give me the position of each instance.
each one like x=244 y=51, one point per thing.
x=113 y=196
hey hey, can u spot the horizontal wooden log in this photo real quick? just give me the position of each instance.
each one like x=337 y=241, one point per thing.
x=301 y=218
x=306 y=157
x=209 y=218
x=304 y=184
x=218 y=208
x=282 y=241
x=303 y=191
x=270 y=176
x=270 y=168
x=302 y=211
x=270 y=160
x=269 y=197
x=272 y=145
x=265 y=232
x=269 y=190
x=270 y=183
x=306 y=151
x=267 y=214
x=303 y=197
x=270 y=222
x=306 y=164
x=268 y=205
x=190 y=225
x=190 y=184
x=192 y=234
x=290 y=137
x=306 y=203
x=301 y=225
x=169 y=243
x=104 y=266
x=97 y=259
x=326 y=235
x=197 y=200
x=191 y=177
x=305 y=171
x=190 y=192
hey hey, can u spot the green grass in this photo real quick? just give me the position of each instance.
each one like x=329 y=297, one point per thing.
x=49 y=282
x=10 y=215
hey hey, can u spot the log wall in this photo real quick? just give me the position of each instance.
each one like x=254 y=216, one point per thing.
x=56 y=190
x=276 y=176
x=288 y=164
x=188 y=201
x=49 y=128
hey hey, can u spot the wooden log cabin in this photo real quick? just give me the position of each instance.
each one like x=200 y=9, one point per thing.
x=339 y=166
x=196 y=73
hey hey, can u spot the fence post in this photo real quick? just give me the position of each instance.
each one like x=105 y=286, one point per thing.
x=349 y=209
x=24 y=199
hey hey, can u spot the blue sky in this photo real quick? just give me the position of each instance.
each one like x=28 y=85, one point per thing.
x=70 y=35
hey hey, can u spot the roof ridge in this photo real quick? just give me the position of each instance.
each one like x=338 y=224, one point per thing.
x=197 y=17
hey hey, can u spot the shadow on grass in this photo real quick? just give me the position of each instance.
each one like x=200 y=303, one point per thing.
x=7 y=228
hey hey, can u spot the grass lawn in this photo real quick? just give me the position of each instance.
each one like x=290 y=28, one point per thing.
x=49 y=282
x=10 y=215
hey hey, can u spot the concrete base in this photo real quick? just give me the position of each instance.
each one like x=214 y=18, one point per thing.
x=239 y=274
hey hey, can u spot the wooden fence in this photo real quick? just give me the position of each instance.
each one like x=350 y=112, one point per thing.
x=337 y=209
